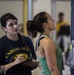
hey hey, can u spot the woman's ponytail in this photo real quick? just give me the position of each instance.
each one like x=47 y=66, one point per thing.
x=31 y=29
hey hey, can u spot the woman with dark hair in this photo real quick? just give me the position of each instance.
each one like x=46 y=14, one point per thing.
x=17 y=56
x=48 y=52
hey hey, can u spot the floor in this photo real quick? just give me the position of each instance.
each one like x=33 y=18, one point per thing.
x=66 y=71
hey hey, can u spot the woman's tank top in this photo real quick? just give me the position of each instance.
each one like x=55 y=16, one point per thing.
x=43 y=63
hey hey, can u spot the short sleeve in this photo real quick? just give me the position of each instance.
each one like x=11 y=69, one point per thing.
x=2 y=57
x=30 y=45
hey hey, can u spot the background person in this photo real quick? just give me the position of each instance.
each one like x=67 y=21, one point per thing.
x=61 y=22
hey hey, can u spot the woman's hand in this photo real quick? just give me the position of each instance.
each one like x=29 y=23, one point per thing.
x=32 y=64
x=19 y=59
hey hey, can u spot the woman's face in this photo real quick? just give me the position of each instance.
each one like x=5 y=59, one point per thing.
x=50 y=22
x=11 y=27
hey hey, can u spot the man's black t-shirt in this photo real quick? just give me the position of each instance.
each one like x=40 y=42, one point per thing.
x=9 y=50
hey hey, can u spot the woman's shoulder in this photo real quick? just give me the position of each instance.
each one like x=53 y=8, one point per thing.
x=27 y=40
x=2 y=38
x=26 y=37
x=47 y=40
x=44 y=40
x=2 y=41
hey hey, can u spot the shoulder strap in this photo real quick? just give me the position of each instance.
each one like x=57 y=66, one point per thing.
x=38 y=41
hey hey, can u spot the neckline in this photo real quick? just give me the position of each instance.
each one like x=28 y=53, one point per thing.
x=12 y=40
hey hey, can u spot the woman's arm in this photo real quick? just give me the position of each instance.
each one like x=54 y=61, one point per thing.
x=18 y=60
x=32 y=64
x=50 y=54
x=6 y=67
